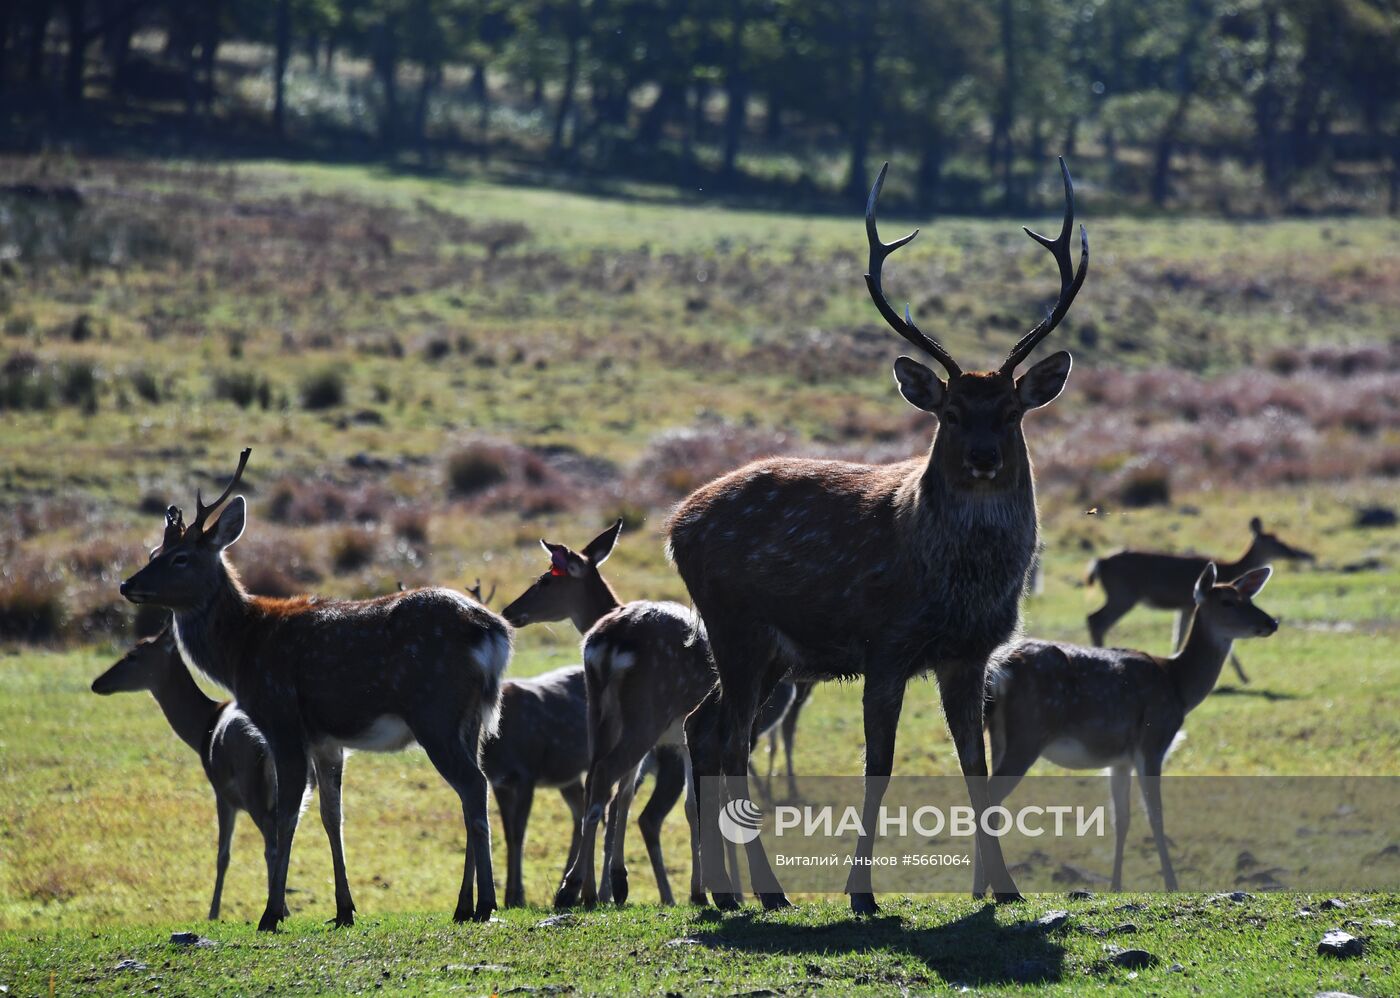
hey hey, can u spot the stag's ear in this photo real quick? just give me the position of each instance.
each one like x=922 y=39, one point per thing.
x=1205 y=583
x=1256 y=526
x=1043 y=383
x=1251 y=583
x=920 y=387
x=230 y=524
x=601 y=546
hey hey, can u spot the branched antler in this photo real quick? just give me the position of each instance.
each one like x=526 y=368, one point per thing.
x=878 y=252
x=1070 y=281
x=202 y=511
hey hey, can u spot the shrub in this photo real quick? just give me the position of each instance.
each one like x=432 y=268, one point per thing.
x=145 y=384
x=1145 y=486
x=243 y=388
x=324 y=389
x=31 y=603
x=351 y=550
x=477 y=467
x=411 y=525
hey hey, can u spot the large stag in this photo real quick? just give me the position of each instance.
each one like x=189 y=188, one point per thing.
x=825 y=569
x=318 y=677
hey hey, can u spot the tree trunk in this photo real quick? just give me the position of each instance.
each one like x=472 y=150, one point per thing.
x=283 y=32
x=209 y=52
x=773 y=116
x=654 y=119
x=1003 y=151
x=931 y=170
x=1266 y=108
x=5 y=11
x=76 y=65
x=865 y=111
x=1166 y=142
x=566 y=96
x=432 y=76
x=38 y=35
x=481 y=92
x=116 y=47
x=386 y=67
x=736 y=94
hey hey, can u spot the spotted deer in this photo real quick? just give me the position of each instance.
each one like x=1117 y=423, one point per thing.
x=542 y=737
x=643 y=674
x=1090 y=708
x=232 y=751
x=1166 y=581
x=826 y=570
x=318 y=677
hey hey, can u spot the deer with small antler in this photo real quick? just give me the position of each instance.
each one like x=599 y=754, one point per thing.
x=1090 y=708
x=1167 y=581
x=318 y=677
x=824 y=570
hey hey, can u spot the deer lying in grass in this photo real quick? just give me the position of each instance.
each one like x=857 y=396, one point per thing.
x=1089 y=708
x=233 y=752
x=318 y=677
x=1165 y=581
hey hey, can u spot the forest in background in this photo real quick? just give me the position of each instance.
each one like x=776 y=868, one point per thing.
x=1237 y=108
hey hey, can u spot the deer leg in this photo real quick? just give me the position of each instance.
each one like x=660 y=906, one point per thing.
x=670 y=784
x=1009 y=765
x=962 y=687
x=692 y=818
x=515 y=804
x=881 y=706
x=1106 y=616
x=603 y=777
x=289 y=760
x=1150 y=776
x=573 y=796
x=1120 y=780
x=330 y=767
x=702 y=739
x=614 y=886
x=804 y=690
x=738 y=746
x=227 y=815
x=1239 y=669
x=451 y=744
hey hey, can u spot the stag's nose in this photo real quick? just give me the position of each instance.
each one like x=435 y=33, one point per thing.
x=983 y=462
x=1268 y=628
x=125 y=589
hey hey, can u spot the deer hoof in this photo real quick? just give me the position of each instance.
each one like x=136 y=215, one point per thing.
x=726 y=901
x=269 y=921
x=619 y=887
x=343 y=919
x=700 y=899
x=566 y=897
x=1008 y=897
x=774 y=902
x=864 y=904
x=483 y=911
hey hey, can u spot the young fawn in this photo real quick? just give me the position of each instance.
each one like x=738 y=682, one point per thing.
x=1090 y=708
x=1165 y=581
x=233 y=752
x=318 y=677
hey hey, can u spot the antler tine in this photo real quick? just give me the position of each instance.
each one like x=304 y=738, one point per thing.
x=174 y=526
x=202 y=511
x=878 y=252
x=1070 y=279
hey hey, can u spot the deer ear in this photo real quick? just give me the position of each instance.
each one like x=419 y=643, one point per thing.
x=230 y=524
x=601 y=546
x=558 y=556
x=1252 y=583
x=1205 y=583
x=1256 y=526
x=920 y=387
x=1043 y=383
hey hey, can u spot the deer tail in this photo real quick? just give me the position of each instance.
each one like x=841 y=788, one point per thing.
x=604 y=665
x=491 y=656
x=1092 y=575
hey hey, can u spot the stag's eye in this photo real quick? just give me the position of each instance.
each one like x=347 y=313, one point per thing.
x=951 y=417
x=180 y=560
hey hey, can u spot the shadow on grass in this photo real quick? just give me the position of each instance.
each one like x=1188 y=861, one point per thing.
x=1272 y=696
x=973 y=950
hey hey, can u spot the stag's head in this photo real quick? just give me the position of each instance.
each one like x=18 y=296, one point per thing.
x=980 y=443
x=571 y=585
x=144 y=667
x=188 y=567
x=1228 y=609
x=1271 y=547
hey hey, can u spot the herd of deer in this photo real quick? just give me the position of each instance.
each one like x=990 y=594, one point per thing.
x=799 y=571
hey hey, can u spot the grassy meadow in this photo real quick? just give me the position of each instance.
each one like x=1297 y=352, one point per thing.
x=436 y=371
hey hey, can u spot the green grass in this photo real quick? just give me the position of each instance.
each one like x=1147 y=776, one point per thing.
x=1262 y=946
